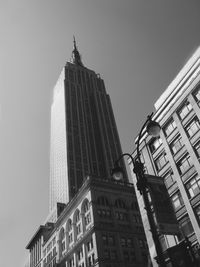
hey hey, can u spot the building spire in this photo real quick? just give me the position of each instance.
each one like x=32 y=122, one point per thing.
x=75 y=55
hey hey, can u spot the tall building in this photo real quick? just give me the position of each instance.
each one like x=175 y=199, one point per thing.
x=94 y=220
x=84 y=137
x=175 y=156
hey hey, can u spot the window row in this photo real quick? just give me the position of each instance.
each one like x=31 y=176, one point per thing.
x=192 y=189
x=191 y=129
x=88 y=261
x=118 y=203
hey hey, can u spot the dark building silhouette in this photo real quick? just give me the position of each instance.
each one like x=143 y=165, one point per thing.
x=84 y=137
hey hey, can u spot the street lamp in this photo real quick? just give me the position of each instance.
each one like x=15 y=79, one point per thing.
x=153 y=129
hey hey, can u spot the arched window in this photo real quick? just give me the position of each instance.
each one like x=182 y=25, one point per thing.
x=70 y=231
x=86 y=212
x=78 y=222
x=119 y=203
x=86 y=206
x=62 y=239
x=102 y=201
x=121 y=213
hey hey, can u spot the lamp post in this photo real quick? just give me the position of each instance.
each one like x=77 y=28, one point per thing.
x=153 y=129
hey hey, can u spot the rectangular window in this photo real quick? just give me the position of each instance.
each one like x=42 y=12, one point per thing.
x=113 y=254
x=185 y=110
x=169 y=128
x=192 y=127
x=197 y=149
x=176 y=144
x=90 y=245
x=169 y=179
x=177 y=200
x=161 y=161
x=154 y=144
x=193 y=186
x=197 y=94
x=184 y=164
x=186 y=226
x=197 y=212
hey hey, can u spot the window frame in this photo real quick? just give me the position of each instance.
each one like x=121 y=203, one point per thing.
x=183 y=168
x=185 y=110
x=169 y=127
x=177 y=140
x=161 y=156
x=189 y=128
x=154 y=144
x=179 y=199
x=192 y=185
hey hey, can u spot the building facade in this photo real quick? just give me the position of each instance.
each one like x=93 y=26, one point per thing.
x=175 y=155
x=101 y=226
x=84 y=137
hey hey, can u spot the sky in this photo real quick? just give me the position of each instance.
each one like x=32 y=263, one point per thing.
x=137 y=46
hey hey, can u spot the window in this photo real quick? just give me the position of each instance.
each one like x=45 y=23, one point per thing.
x=103 y=201
x=142 y=243
x=62 y=239
x=71 y=262
x=197 y=149
x=113 y=254
x=129 y=256
x=108 y=240
x=104 y=213
x=90 y=245
x=193 y=186
x=119 y=203
x=186 y=226
x=177 y=200
x=176 y=144
x=192 y=127
x=70 y=231
x=86 y=210
x=91 y=260
x=185 y=110
x=78 y=222
x=184 y=164
x=197 y=212
x=169 y=179
x=126 y=242
x=121 y=216
x=168 y=129
x=80 y=254
x=154 y=144
x=197 y=94
x=160 y=161
x=136 y=218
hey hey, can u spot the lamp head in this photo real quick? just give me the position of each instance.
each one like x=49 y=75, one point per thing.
x=153 y=128
x=117 y=172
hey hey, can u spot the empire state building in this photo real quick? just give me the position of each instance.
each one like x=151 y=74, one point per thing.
x=84 y=137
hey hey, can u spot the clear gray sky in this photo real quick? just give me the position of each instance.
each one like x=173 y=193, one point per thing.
x=137 y=46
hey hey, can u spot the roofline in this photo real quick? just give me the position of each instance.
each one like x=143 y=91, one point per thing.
x=39 y=230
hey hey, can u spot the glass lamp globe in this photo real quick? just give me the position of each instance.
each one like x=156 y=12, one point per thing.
x=153 y=128
x=117 y=173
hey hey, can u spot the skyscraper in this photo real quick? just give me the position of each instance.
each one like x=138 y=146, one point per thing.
x=84 y=137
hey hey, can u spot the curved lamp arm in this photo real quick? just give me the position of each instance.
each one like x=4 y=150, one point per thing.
x=139 y=137
x=125 y=154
